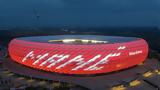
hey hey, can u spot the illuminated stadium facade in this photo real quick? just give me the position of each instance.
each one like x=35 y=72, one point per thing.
x=78 y=54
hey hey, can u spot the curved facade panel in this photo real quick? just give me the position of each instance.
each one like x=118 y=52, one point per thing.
x=115 y=53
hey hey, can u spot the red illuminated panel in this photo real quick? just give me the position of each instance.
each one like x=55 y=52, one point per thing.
x=76 y=58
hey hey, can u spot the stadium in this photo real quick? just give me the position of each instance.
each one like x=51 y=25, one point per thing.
x=76 y=54
x=75 y=61
x=79 y=45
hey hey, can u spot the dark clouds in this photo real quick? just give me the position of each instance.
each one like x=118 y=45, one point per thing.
x=80 y=12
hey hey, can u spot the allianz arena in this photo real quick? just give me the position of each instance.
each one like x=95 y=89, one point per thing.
x=78 y=54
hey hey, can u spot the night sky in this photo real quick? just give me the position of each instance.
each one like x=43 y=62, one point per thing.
x=79 y=13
